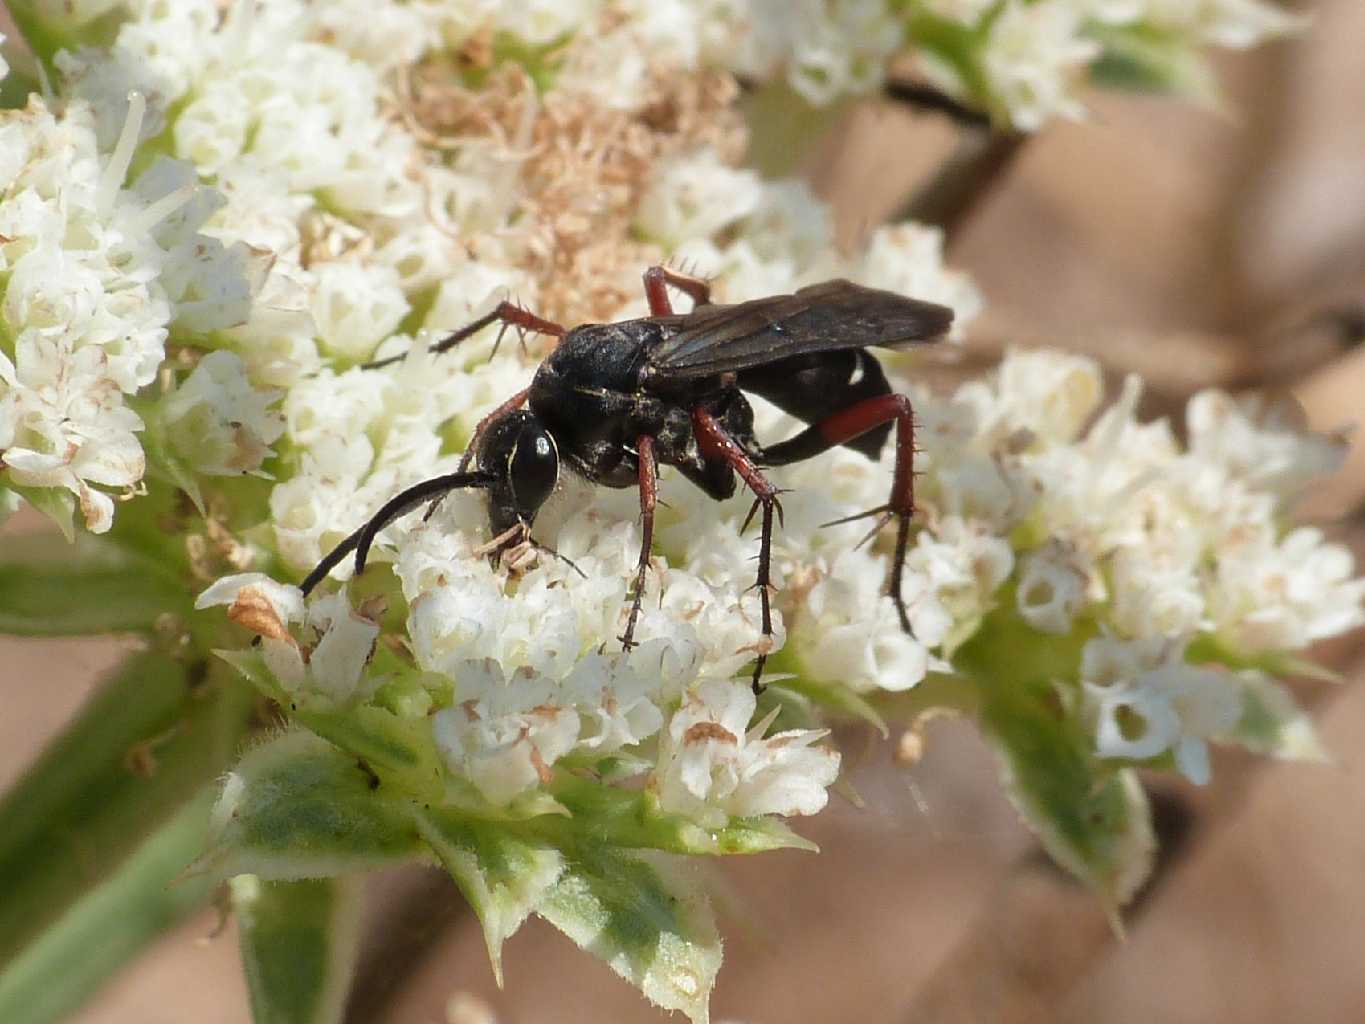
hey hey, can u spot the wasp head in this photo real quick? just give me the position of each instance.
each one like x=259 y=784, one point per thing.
x=523 y=460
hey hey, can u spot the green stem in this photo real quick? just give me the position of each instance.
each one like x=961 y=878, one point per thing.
x=1089 y=814
x=143 y=898
x=147 y=742
x=299 y=942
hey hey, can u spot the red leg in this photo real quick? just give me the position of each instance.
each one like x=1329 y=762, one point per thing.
x=649 y=495
x=715 y=443
x=844 y=426
x=505 y=313
x=515 y=402
x=657 y=280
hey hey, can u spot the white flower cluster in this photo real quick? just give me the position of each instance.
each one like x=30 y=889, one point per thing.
x=359 y=208
x=1104 y=518
x=93 y=275
x=1036 y=53
x=543 y=698
x=1157 y=541
x=244 y=101
x=825 y=48
x=522 y=651
x=1233 y=23
x=780 y=236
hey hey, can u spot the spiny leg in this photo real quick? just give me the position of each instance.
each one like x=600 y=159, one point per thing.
x=649 y=494
x=399 y=505
x=506 y=313
x=715 y=443
x=845 y=425
x=657 y=280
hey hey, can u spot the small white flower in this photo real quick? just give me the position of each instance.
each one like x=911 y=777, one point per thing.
x=541 y=22
x=696 y=197
x=790 y=222
x=1052 y=588
x=1257 y=442
x=616 y=697
x=961 y=564
x=285 y=601
x=218 y=422
x=333 y=667
x=1035 y=395
x=504 y=734
x=1283 y=595
x=1114 y=12
x=1035 y=57
x=383 y=35
x=847 y=630
x=337 y=663
x=65 y=426
x=712 y=766
x=827 y=48
x=1146 y=700
x=1158 y=591
x=355 y=307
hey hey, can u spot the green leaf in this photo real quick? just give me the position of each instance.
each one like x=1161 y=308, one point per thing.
x=401 y=750
x=111 y=924
x=49 y=587
x=1091 y=817
x=505 y=865
x=141 y=747
x=398 y=748
x=503 y=875
x=1273 y=724
x=1142 y=58
x=299 y=942
x=297 y=807
x=616 y=817
x=648 y=924
x=955 y=50
x=162 y=459
x=57 y=503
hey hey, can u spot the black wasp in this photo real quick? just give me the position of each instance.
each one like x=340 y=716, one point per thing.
x=615 y=400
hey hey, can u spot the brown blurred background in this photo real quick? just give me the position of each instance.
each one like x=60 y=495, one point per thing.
x=1198 y=248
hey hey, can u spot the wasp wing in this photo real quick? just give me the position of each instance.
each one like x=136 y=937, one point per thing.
x=824 y=317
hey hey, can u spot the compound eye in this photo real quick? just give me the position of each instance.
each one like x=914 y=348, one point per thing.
x=533 y=470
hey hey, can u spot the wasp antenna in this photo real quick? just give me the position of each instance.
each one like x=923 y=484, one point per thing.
x=362 y=539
